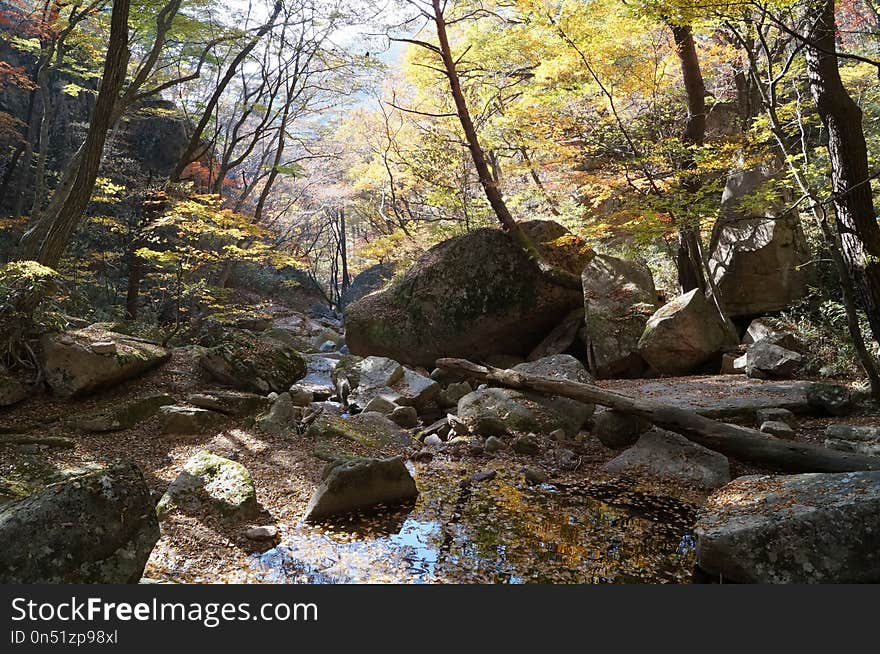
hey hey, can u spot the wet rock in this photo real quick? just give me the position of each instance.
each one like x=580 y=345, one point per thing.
x=231 y=403
x=777 y=428
x=257 y=363
x=666 y=454
x=357 y=484
x=619 y=298
x=72 y=368
x=807 y=528
x=99 y=527
x=405 y=416
x=12 y=391
x=767 y=361
x=829 y=399
x=527 y=444
x=177 y=419
x=210 y=482
x=535 y=476
x=683 y=335
x=849 y=438
x=493 y=444
x=775 y=414
x=126 y=416
x=615 y=429
x=471 y=296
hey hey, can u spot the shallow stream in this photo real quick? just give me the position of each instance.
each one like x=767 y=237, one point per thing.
x=497 y=531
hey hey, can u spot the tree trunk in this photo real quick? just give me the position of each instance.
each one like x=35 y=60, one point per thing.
x=487 y=180
x=689 y=257
x=738 y=442
x=848 y=152
x=115 y=66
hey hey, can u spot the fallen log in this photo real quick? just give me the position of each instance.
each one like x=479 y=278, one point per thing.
x=741 y=443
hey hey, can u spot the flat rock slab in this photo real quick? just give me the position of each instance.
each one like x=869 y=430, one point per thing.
x=810 y=528
x=718 y=396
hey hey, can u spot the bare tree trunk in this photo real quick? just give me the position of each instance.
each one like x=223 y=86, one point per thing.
x=689 y=256
x=487 y=180
x=739 y=442
x=848 y=152
x=115 y=67
x=194 y=147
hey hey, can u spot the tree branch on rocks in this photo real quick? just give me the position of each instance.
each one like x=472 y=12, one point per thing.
x=739 y=442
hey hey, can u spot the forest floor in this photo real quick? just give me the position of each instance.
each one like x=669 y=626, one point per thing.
x=202 y=548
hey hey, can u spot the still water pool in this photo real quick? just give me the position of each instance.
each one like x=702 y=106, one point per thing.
x=498 y=531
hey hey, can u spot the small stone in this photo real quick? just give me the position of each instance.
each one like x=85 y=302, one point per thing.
x=104 y=347
x=423 y=454
x=272 y=396
x=327 y=346
x=187 y=419
x=527 y=445
x=535 y=476
x=301 y=396
x=433 y=440
x=616 y=429
x=567 y=460
x=558 y=435
x=453 y=393
x=266 y=532
x=479 y=477
x=493 y=444
x=777 y=428
x=405 y=416
x=775 y=415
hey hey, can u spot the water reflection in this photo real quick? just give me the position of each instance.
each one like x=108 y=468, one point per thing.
x=497 y=532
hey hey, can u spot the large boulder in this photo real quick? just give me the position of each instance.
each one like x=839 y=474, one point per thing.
x=369 y=429
x=497 y=411
x=257 y=363
x=757 y=257
x=619 y=297
x=684 y=334
x=89 y=359
x=358 y=484
x=214 y=484
x=99 y=527
x=182 y=419
x=372 y=279
x=808 y=528
x=471 y=296
x=663 y=453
